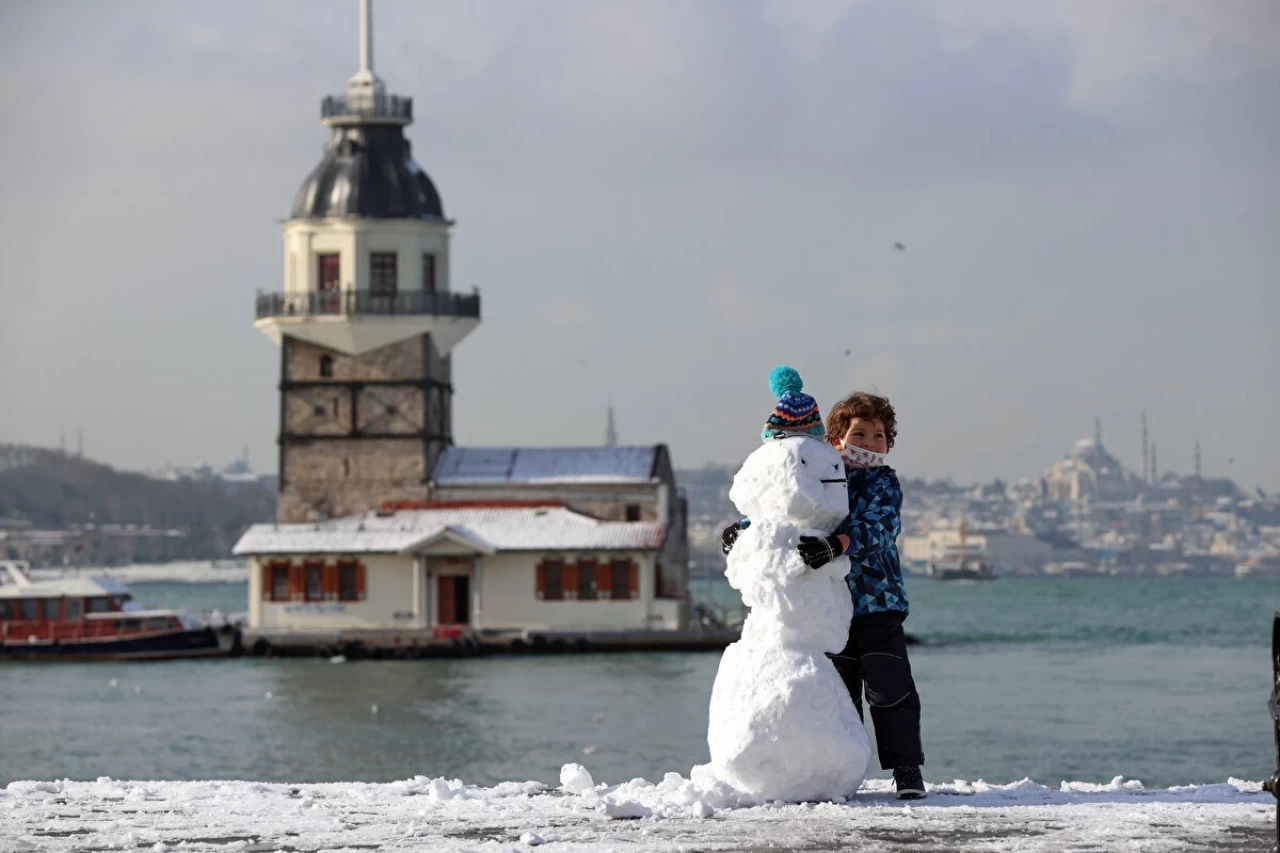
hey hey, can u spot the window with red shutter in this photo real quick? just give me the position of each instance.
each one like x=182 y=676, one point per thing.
x=297 y=581
x=570 y=580
x=553 y=580
x=348 y=580
x=620 y=579
x=330 y=582
x=604 y=581
x=279 y=582
x=587 y=569
x=314 y=580
x=361 y=581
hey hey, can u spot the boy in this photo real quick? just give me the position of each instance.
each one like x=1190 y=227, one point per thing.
x=863 y=428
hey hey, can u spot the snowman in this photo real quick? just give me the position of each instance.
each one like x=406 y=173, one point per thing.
x=782 y=725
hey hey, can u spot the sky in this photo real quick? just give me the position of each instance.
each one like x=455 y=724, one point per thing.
x=660 y=201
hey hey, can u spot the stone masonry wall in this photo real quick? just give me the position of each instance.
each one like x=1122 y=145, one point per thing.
x=344 y=476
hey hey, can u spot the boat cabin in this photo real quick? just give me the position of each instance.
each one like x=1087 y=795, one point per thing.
x=61 y=613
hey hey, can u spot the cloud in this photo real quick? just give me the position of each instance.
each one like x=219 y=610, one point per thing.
x=568 y=315
x=1115 y=44
x=684 y=194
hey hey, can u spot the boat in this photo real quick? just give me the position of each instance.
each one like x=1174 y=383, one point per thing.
x=955 y=564
x=96 y=618
x=1072 y=569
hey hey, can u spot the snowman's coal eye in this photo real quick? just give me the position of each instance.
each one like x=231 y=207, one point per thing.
x=802 y=461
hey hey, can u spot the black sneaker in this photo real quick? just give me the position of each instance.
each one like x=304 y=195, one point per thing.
x=910 y=782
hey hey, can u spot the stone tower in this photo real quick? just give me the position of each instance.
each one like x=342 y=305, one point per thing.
x=367 y=321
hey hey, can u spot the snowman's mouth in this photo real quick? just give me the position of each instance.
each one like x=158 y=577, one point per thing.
x=841 y=480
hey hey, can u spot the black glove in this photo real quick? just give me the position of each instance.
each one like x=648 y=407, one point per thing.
x=818 y=551
x=728 y=536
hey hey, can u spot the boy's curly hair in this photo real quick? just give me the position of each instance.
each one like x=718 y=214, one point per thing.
x=862 y=404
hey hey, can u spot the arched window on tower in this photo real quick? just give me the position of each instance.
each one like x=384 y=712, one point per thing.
x=326 y=367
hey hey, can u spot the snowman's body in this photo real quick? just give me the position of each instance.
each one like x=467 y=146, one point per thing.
x=782 y=725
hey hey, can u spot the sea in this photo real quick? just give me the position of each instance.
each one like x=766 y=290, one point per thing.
x=1161 y=680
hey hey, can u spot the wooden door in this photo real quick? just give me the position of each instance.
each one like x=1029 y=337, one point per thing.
x=453 y=600
x=445 y=600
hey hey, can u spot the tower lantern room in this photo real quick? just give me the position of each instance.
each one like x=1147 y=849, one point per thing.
x=366 y=320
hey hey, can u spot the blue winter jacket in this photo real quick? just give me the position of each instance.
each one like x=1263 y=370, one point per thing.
x=875 y=507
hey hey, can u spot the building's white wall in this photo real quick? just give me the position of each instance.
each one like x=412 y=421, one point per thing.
x=400 y=592
x=410 y=239
x=390 y=600
x=255 y=591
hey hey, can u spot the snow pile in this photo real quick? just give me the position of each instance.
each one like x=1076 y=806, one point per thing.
x=782 y=725
x=442 y=814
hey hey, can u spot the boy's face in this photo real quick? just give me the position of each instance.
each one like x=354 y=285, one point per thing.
x=867 y=433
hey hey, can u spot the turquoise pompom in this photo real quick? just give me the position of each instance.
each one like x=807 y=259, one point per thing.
x=784 y=380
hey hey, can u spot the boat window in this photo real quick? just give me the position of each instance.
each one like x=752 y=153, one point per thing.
x=53 y=609
x=74 y=608
x=7 y=610
x=155 y=623
x=29 y=608
x=98 y=605
x=129 y=625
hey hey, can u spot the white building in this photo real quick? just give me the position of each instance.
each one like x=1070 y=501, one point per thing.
x=484 y=568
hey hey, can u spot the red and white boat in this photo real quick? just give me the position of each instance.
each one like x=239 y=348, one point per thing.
x=95 y=618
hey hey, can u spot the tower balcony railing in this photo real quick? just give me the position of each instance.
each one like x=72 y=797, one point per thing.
x=375 y=105
x=330 y=303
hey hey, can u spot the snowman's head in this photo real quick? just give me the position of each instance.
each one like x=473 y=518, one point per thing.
x=798 y=478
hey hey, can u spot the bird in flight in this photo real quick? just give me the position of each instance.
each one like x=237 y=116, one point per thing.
x=899 y=247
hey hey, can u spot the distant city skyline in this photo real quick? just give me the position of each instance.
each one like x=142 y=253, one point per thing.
x=1148 y=473
x=660 y=202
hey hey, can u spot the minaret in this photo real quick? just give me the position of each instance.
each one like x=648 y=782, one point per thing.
x=610 y=430
x=366 y=321
x=1097 y=430
x=1155 y=476
x=1146 y=459
x=1197 y=460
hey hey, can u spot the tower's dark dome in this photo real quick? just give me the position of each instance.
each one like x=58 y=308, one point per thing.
x=368 y=170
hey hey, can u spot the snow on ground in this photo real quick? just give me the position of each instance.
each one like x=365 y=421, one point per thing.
x=190 y=571
x=673 y=815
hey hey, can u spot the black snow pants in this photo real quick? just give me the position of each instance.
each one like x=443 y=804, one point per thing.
x=876 y=656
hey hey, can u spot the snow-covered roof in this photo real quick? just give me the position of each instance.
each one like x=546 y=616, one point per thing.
x=488 y=527
x=479 y=465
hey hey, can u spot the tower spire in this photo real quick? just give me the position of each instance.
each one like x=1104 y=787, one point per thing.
x=610 y=429
x=1097 y=430
x=366 y=37
x=1146 y=458
x=365 y=90
x=1197 y=460
x=1155 y=475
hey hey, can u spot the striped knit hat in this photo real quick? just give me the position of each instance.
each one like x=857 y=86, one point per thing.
x=796 y=412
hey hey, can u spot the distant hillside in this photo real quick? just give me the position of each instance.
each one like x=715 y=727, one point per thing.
x=52 y=490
